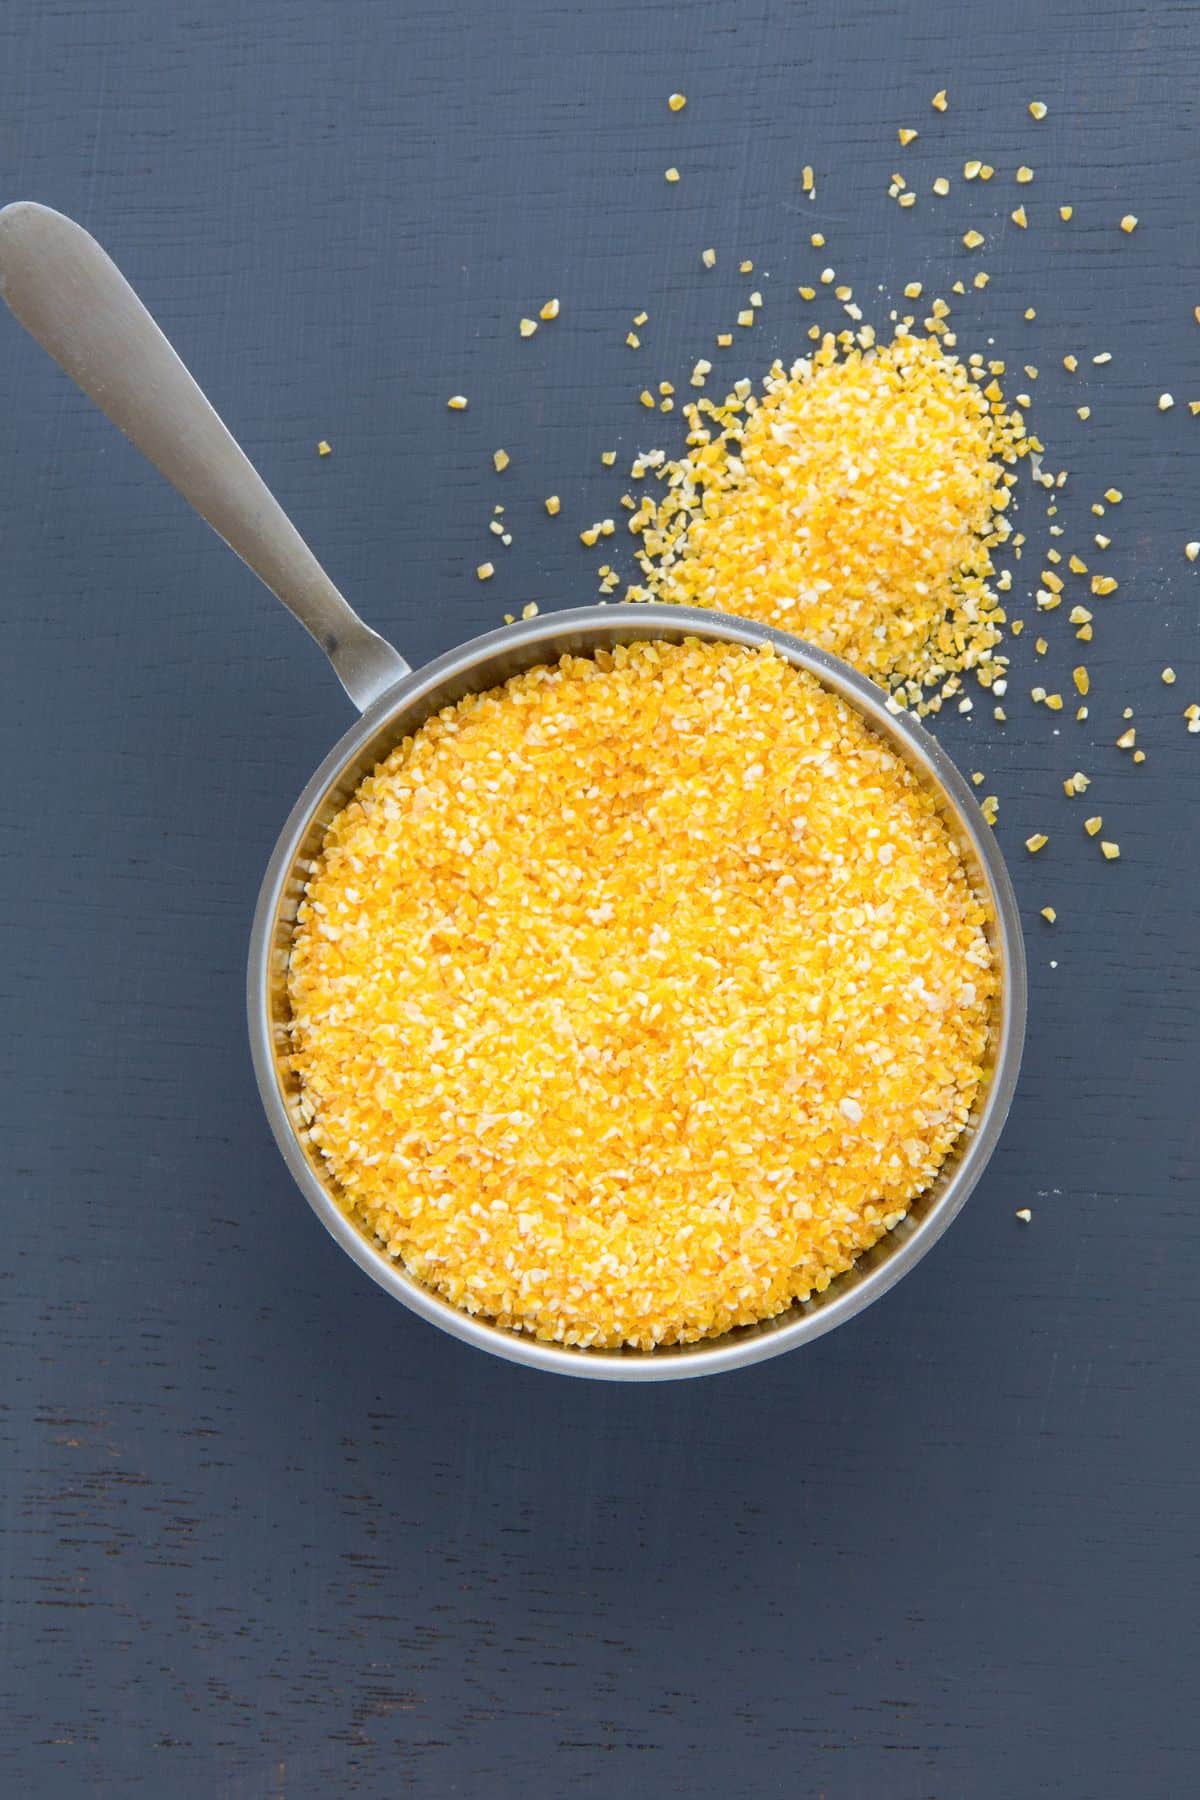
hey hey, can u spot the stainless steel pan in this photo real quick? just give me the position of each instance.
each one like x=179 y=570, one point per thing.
x=72 y=298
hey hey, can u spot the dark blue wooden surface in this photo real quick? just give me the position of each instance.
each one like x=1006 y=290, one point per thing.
x=265 y=1534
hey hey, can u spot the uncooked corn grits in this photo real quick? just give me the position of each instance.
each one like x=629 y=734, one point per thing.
x=633 y=1000
x=854 y=503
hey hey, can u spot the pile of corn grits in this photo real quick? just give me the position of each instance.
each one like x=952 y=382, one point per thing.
x=856 y=503
x=633 y=1000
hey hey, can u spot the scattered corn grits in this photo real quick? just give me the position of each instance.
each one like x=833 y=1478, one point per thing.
x=855 y=504
x=633 y=1000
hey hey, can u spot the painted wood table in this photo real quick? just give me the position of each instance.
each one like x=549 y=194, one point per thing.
x=267 y=1534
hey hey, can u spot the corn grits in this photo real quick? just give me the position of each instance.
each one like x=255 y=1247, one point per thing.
x=633 y=1000
x=855 y=503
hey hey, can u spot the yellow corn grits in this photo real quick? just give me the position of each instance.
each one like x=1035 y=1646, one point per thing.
x=632 y=1000
x=855 y=504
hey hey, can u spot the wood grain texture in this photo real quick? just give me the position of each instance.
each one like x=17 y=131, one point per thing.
x=265 y=1534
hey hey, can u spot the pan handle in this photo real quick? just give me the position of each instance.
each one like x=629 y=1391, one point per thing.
x=74 y=300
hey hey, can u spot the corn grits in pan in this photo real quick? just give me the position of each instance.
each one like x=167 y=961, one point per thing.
x=633 y=1000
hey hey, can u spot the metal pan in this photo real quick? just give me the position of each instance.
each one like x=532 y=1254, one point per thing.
x=71 y=297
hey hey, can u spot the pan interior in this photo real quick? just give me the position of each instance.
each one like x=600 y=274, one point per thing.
x=492 y=660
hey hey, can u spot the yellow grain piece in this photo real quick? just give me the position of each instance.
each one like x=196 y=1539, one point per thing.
x=485 y=571
x=500 y=460
x=1092 y=826
x=593 y=1017
x=1037 y=109
x=671 y=174
x=906 y=134
x=553 y=505
x=1065 y=212
x=972 y=239
x=1037 y=842
x=1049 y=914
x=709 y=258
x=1019 y=217
x=324 y=448
x=457 y=403
x=1081 y=678
x=939 y=102
x=1129 y=222
x=1110 y=851
x=1024 y=174
x=854 y=504
x=676 y=102
x=941 y=186
x=550 y=310
x=527 y=327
